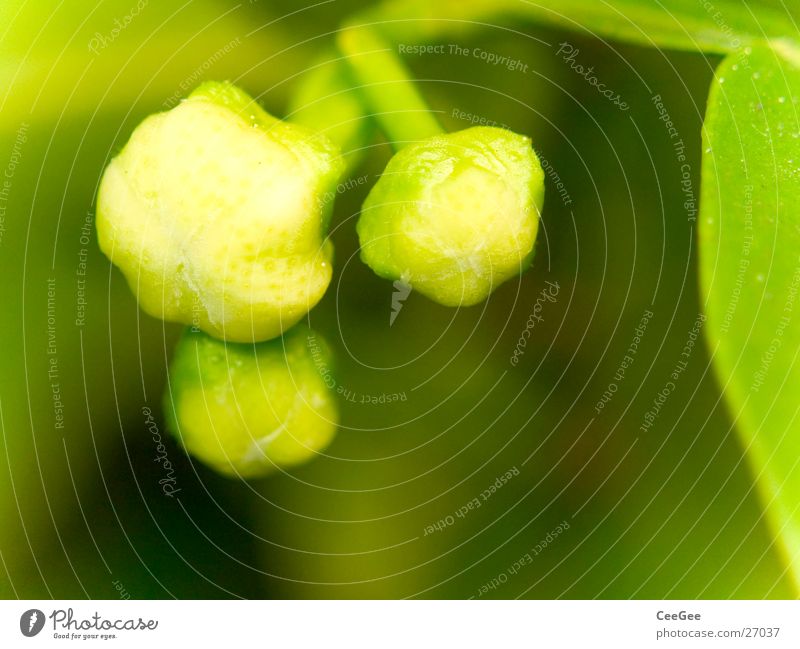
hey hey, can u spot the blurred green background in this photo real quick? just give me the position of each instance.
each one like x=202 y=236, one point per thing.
x=667 y=512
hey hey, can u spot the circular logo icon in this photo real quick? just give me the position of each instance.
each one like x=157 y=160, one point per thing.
x=31 y=622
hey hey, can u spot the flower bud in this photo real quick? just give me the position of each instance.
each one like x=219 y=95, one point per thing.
x=214 y=213
x=246 y=409
x=455 y=215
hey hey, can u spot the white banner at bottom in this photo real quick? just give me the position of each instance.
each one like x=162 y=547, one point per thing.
x=406 y=624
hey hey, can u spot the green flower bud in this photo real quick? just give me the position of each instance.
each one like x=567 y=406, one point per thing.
x=455 y=215
x=247 y=409
x=214 y=213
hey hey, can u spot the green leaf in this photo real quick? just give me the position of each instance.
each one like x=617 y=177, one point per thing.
x=749 y=245
x=711 y=26
x=707 y=25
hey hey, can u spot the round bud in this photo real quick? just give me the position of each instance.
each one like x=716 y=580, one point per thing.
x=248 y=409
x=455 y=215
x=214 y=212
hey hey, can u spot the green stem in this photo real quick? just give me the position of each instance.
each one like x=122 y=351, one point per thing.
x=327 y=100
x=387 y=87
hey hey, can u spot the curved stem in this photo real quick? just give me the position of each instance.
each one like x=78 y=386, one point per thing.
x=387 y=86
x=326 y=99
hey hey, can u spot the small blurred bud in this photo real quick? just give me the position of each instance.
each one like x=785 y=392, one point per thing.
x=247 y=409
